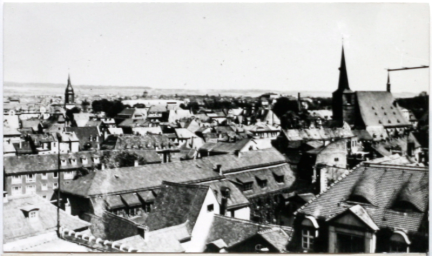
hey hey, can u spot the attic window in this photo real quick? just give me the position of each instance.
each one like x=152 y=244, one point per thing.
x=398 y=121
x=394 y=113
x=385 y=113
x=73 y=161
x=382 y=107
x=389 y=121
x=373 y=108
x=376 y=113
x=262 y=181
x=63 y=162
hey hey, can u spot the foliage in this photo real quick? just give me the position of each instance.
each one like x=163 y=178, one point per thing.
x=111 y=108
x=70 y=112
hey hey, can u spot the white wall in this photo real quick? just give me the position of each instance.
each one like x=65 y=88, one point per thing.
x=242 y=213
x=202 y=225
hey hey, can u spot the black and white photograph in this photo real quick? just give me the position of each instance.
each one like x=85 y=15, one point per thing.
x=216 y=127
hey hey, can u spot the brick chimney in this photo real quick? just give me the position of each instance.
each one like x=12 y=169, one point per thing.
x=225 y=193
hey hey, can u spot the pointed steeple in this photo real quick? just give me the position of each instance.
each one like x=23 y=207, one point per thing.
x=343 y=75
x=388 y=82
x=69 y=93
x=69 y=85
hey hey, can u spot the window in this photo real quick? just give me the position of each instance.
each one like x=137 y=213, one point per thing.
x=16 y=190
x=63 y=162
x=210 y=208
x=32 y=215
x=55 y=185
x=30 y=189
x=307 y=238
x=44 y=175
x=262 y=183
x=44 y=197
x=55 y=174
x=279 y=178
x=336 y=159
x=68 y=175
x=31 y=178
x=247 y=186
x=44 y=186
x=73 y=161
x=16 y=179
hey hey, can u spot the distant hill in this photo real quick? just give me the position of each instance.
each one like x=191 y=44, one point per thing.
x=12 y=88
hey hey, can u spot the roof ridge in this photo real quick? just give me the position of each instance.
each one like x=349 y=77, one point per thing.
x=268 y=226
x=328 y=188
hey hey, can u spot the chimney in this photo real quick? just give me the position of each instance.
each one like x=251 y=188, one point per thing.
x=238 y=153
x=218 y=169
x=299 y=102
x=143 y=232
x=136 y=163
x=5 y=197
x=102 y=166
x=388 y=83
x=225 y=193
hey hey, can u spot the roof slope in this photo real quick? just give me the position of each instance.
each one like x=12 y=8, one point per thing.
x=378 y=108
x=16 y=226
x=233 y=231
x=389 y=182
x=177 y=204
x=150 y=176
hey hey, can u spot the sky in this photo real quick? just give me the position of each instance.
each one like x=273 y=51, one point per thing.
x=277 y=46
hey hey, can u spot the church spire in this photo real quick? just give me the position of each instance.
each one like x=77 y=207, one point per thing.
x=343 y=75
x=69 y=93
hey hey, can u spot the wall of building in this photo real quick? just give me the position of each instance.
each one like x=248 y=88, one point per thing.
x=241 y=213
x=202 y=225
x=39 y=183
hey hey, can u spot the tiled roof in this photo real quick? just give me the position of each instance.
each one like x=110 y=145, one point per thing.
x=225 y=147
x=183 y=133
x=42 y=138
x=150 y=176
x=134 y=123
x=236 y=198
x=176 y=204
x=269 y=175
x=93 y=123
x=378 y=108
x=17 y=226
x=136 y=141
x=389 y=182
x=85 y=133
x=233 y=231
x=41 y=163
x=162 y=240
x=317 y=134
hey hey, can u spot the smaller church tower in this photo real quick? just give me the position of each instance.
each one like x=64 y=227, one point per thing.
x=69 y=93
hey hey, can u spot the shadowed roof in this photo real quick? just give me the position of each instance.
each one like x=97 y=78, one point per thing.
x=177 y=204
x=389 y=182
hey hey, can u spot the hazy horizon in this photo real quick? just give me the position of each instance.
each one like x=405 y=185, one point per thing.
x=217 y=46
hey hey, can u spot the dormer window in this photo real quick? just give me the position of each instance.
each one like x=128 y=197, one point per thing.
x=279 y=177
x=262 y=181
x=16 y=179
x=399 y=242
x=364 y=191
x=73 y=161
x=96 y=159
x=30 y=212
x=63 y=162
x=30 y=178
x=246 y=183
x=84 y=160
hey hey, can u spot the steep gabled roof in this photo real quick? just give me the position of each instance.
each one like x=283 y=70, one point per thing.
x=377 y=108
x=176 y=204
x=389 y=182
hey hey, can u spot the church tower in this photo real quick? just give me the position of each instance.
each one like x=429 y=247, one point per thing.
x=69 y=93
x=343 y=102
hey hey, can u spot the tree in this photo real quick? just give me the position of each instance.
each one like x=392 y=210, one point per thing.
x=111 y=108
x=117 y=159
x=70 y=112
x=283 y=105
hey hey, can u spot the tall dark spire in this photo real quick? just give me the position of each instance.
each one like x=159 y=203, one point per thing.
x=343 y=75
x=388 y=82
x=69 y=93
